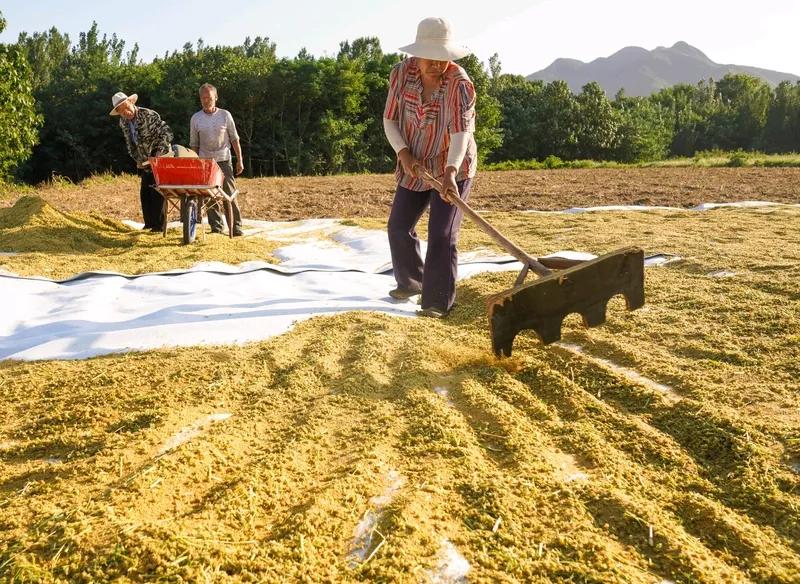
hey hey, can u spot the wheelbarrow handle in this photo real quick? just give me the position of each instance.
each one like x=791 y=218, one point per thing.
x=529 y=262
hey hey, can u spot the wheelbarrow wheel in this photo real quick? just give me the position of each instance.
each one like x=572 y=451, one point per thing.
x=189 y=218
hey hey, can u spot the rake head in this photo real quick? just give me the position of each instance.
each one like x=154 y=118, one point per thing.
x=585 y=288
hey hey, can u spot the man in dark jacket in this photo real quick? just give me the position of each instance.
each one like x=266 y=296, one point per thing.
x=146 y=134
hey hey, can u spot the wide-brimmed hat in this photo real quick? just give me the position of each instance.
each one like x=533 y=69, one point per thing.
x=435 y=41
x=118 y=99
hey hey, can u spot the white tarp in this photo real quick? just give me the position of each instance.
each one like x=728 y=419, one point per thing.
x=325 y=268
x=213 y=303
x=647 y=208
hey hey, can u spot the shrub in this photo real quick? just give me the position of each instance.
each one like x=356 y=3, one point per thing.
x=552 y=162
x=738 y=159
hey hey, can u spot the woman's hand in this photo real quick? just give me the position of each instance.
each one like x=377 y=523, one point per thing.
x=409 y=162
x=449 y=184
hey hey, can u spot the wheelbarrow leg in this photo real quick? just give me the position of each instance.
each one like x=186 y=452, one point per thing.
x=165 y=212
x=201 y=208
x=229 y=216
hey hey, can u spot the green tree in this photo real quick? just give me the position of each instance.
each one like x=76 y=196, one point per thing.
x=245 y=95
x=488 y=134
x=691 y=109
x=78 y=136
x=520 y=103
x=495 y=72
x=376 y=154
x=645 y=130
x=782 y=128
x=340 y=135
x=557 y=122
x=295 y=114
x=46 y=52
x=598 y=124
x=19 y=120
x=740 y=122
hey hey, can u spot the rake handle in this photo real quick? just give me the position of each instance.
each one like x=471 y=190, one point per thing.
x=530 y=262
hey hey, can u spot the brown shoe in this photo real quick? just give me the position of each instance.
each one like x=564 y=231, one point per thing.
x=432 y=312
x=402 y=293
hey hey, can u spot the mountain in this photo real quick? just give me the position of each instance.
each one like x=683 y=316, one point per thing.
x=642 y=72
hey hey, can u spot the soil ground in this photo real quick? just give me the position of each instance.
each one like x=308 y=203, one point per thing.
x=292 y=198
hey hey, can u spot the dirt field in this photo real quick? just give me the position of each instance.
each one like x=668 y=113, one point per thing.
x=277 y=199
x=661 y=447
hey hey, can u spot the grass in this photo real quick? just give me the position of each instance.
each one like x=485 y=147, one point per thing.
x=708 y=159
x=543 y=467
x=10 y=191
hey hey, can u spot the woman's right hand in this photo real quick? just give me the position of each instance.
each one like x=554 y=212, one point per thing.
x=409 y=162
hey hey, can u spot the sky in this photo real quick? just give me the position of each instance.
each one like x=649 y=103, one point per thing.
x=527 y=35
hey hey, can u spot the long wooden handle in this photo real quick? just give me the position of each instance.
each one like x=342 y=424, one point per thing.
x=502 y=241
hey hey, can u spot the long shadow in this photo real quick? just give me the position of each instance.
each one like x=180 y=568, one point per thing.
x=397 y=388
x=305 y=411
x=132 y=425
x=716 y=533
x=613 y=515
x=56 y=454
x=720 y=448
x=73 y=240
x=57 y=448
x=18 y=483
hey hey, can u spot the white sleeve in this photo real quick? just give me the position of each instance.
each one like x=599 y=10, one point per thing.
x=459 y=142
x=194 y=135
x=392 y=130
x=233 y=135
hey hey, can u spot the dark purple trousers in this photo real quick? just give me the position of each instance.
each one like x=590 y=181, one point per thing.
x=437 y=276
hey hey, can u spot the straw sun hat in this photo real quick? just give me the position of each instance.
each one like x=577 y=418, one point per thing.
x=435 y=41
x=120 y=98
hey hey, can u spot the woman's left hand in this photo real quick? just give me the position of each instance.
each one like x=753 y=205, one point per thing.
x=449 y=184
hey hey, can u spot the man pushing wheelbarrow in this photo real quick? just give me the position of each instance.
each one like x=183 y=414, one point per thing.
x=146 y=135
x=184 y=183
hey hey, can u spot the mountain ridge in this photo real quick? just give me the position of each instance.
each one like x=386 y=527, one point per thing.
x=641 y=72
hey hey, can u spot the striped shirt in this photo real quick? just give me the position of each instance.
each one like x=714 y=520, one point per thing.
x=426 y=127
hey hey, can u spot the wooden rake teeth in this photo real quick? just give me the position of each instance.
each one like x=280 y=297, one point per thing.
x=585 y=289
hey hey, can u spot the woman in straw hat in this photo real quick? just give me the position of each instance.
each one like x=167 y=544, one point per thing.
x=429 y=120
x=146 y=134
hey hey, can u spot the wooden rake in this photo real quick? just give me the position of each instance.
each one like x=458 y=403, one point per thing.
x=584 y=287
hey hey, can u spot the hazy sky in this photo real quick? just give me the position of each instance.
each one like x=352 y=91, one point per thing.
x=528 y=36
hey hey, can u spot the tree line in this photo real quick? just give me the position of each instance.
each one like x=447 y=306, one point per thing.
x=321 y=115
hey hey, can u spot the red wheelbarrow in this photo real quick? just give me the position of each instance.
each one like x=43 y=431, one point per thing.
x=191 y=186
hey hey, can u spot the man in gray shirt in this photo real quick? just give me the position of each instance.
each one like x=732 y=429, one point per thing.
x=212 y=133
